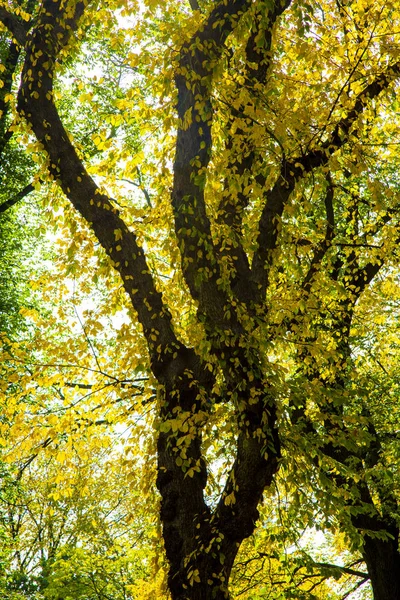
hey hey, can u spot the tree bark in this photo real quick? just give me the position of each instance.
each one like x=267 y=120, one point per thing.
x=382 y=558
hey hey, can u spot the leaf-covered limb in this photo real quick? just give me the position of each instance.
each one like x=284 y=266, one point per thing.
x=230 y=214
x=323 y=246
x=270 y=225
x=16 y=27
x=294 y=170
x=378 y=529
x=10 y=64
x=370 y=512
x=198 y=57
x=36 y=104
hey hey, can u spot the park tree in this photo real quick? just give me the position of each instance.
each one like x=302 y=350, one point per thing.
x=268 y=146
x=78 y=532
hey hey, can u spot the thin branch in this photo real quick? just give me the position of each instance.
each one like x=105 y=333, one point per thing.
x=126 y=383
x=89 y=341
x=355 y=588
x=140 y=186
x=28 y=189
x=346 y=570
x=26 y=464
x=360 y=245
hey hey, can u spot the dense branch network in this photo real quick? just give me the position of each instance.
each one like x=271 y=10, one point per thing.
x=197 y=536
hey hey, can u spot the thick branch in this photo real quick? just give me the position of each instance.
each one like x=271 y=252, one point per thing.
x=258 y=55
x=35 y=102
x=256 y=463
x=241 y=169
x=14 y=25
x=193 y=148
x=293 y=171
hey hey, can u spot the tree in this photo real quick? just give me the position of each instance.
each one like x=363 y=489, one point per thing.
x=281 y=108
x=80 y=534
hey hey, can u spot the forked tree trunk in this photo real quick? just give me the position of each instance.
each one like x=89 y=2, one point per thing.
x=201 y=544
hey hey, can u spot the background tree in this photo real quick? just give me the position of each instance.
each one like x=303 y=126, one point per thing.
x=79 y=533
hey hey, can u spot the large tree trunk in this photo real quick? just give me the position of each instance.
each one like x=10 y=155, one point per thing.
x=383 y=562
x=201 y=544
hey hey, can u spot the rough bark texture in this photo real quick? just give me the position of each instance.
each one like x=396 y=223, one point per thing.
x=383 y=563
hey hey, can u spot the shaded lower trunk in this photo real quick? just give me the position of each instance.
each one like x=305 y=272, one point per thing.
x=201 y=543
x=383 y=562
